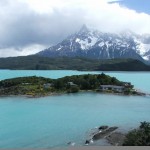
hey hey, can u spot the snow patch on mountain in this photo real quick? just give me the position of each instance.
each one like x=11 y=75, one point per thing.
x=59 y=48
x=87 y=43
x=143 y=48
x=101 y=44
x=147 y=57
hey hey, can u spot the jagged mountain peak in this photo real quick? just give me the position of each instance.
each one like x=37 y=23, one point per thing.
x=95 y=44
x=84 y=29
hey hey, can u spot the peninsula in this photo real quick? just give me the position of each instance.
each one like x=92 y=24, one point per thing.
x=39 y=86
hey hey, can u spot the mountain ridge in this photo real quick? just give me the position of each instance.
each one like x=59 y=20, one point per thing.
x=98 y=45
x=34 y=62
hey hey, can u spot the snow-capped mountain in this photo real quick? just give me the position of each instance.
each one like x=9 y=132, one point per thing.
x=95 y=44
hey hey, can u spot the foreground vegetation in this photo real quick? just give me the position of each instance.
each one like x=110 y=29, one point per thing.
x=66 y=63
x=139 y=137
x=39 y=86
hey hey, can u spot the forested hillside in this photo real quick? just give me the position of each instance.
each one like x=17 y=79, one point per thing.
x=69 y=63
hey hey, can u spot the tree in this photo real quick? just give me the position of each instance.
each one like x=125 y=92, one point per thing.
x=74 y=89
x=58 y=84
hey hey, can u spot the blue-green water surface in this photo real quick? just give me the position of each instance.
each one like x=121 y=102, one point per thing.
x=56 y=120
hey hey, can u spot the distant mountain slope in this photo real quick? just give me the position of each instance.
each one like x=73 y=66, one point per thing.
x=68 y=63
x=94 y=44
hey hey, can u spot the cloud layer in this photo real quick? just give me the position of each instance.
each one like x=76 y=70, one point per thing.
x=29 y=25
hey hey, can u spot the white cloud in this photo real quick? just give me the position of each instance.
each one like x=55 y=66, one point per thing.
x=98 y=13
x=30 y=22
x=29 y=50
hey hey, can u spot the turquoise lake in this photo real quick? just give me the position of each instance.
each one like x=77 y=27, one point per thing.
x=54 y=121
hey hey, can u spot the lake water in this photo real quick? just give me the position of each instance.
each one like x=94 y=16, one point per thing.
x=56 y=120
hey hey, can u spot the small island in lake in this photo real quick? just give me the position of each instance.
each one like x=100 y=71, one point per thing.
x=40 y=86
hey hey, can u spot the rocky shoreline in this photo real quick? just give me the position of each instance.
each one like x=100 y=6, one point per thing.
x=111 y=134
x=82 y=91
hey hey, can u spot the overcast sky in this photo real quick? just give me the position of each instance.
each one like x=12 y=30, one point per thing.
x=28 y=26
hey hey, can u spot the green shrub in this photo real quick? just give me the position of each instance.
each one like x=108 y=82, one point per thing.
x=139 y=137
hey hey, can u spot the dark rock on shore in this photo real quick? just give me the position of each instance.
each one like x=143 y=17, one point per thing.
x=103 y=127
x=87 y=142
